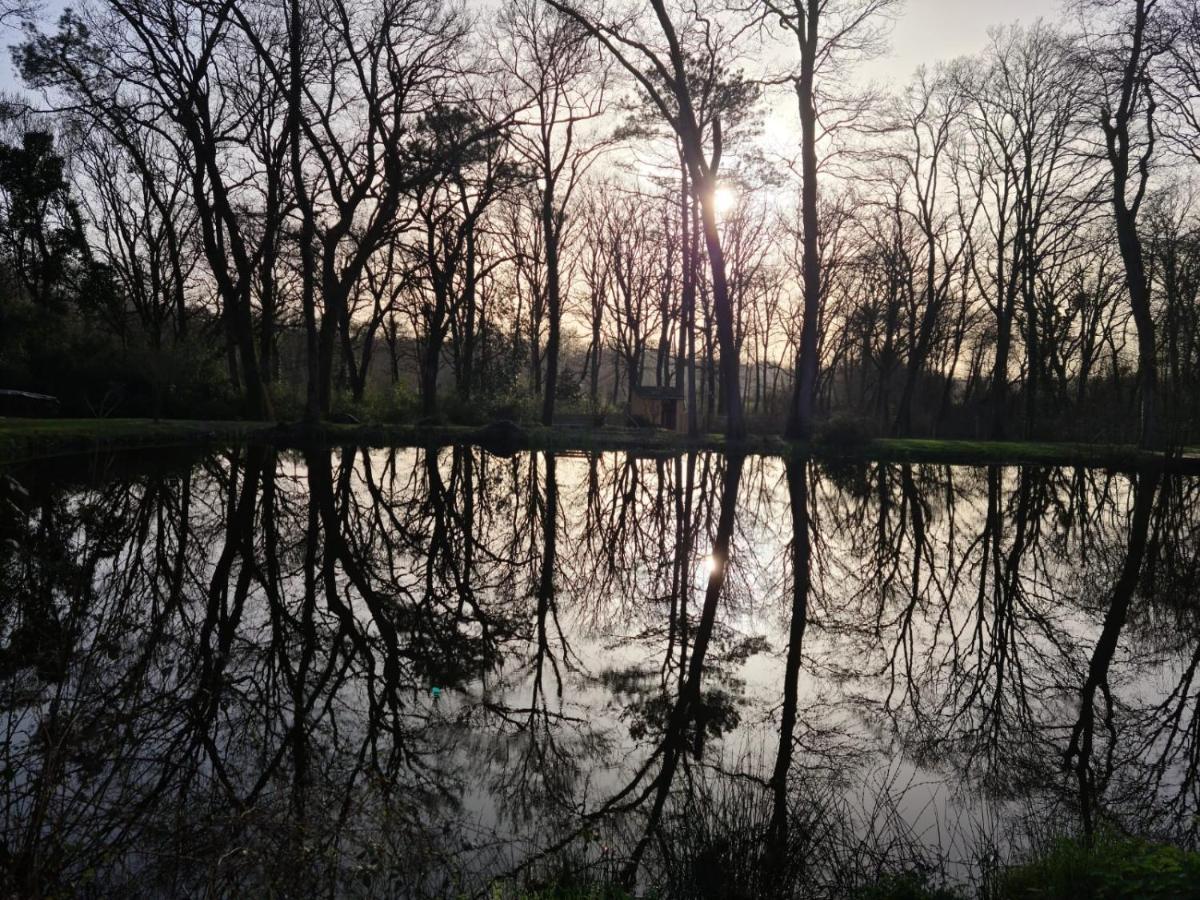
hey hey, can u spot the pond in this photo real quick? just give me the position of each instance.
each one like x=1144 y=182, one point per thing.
x=408 y=672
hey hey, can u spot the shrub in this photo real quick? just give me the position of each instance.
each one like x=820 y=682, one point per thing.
x=516 y=406
x=389 y=404
x=909 y=885
x=459 y=411
x=568 y=388
x=845 y=432
x=567 y=889
x=287 y=401
x=1114 y=867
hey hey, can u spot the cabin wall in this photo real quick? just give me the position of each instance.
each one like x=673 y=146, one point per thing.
x=653 y=410
x=644 y=408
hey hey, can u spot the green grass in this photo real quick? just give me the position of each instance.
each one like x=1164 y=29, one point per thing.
x=22 y=439
x=926 y=449
x=650 y=442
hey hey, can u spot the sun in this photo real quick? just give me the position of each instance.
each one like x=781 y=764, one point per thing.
x=724 y=199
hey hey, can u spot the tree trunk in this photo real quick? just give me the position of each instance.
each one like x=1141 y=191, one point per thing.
x=800 y=420
x=777 y=832
x=735 y=426
x=1117 y=143
x=553 y=300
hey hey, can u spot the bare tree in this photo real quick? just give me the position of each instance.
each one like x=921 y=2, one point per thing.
x=666 y=69
x=932 y=110
x=829 y=35
x=450 y=211
x=1180 y=79
x=562 y=89
x=175 y=68
x=1123 y=46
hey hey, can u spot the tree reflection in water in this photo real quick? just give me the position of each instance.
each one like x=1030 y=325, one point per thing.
x=412 y=672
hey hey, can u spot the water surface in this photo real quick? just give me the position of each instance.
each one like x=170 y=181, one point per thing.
x=428 y=673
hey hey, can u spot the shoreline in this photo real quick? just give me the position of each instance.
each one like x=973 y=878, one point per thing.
x=25 y=440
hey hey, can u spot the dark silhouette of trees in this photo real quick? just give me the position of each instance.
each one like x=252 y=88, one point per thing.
x=828 y=36
x=42 y=226
x=1124 y=65
x=667 y=74
x=515 y=213
x=562 y=84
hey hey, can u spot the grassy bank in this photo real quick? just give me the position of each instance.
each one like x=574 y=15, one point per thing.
x=651 y=442
x=25 y=439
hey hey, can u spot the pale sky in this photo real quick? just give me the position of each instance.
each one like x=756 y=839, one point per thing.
x=927 y=31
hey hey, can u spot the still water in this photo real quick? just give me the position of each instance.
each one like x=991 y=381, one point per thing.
x=446 y=673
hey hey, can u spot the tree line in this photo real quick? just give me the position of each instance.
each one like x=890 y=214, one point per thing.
x=305 y=207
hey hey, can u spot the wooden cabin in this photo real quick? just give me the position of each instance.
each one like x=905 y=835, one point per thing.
x=659 y=406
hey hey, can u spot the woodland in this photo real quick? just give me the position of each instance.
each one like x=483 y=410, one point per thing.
x=427 y=211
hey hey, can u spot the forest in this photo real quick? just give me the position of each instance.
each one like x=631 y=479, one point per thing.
x=431 y=211
x=598 y=449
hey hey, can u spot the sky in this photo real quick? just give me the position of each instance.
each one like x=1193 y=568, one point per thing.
x=931 y=30
x=926 y=31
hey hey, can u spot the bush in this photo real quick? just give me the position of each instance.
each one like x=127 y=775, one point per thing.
x=566 y=889
x=458 y=411
x=845 y=432
x=389 y=404
x=604 y=412
x=516 y=406
x=584 y=870
x=1114 y=867
x=906 y=886
x=568 y=389
x=287 y=401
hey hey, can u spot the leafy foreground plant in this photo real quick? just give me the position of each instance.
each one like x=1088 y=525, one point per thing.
x=566 y=888
x=907 y=886
x=1115 y=867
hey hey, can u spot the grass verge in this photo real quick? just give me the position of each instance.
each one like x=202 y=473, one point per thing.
x=25 y=439
x=652 y=442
